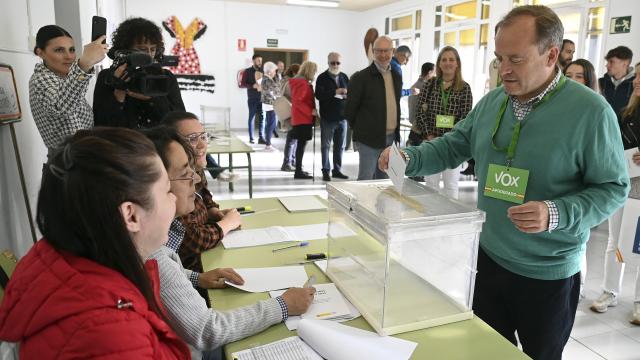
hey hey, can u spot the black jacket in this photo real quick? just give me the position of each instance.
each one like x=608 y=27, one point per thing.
x=617 y=97
x=248 y=80
x=630 y=129
x=366 y=106
x=331 y=108
x=133 y=113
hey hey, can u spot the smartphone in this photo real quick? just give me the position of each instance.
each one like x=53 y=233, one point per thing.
x=98 y=28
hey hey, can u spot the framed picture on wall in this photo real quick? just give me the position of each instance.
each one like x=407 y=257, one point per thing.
x=10 y=110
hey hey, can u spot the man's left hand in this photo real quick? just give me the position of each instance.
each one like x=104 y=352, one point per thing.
x=531 y=217
x=214 y=279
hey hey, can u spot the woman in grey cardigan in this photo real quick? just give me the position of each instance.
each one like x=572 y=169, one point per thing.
x=270 y=91
x=201 y=327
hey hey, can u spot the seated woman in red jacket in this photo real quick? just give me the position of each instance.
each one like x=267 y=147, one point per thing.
x=303 y=111
x=83 y=291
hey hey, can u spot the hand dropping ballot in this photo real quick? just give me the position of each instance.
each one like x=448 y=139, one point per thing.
x=396 y=168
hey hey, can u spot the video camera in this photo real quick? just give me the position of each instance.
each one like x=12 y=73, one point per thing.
x=143 y=75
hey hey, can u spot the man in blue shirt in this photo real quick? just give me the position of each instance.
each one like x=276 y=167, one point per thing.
x=401 y=56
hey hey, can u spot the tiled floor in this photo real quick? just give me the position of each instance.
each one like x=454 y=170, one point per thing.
x=594 y=336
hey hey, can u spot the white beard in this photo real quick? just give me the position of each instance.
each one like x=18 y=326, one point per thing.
x=334 y=72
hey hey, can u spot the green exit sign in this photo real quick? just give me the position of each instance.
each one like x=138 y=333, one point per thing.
x=272 y=42
x=620 y=25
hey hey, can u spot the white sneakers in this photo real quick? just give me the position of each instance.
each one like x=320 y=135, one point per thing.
x=226 y=176
x=604 y=301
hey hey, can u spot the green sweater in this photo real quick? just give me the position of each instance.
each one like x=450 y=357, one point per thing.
x=572 y=148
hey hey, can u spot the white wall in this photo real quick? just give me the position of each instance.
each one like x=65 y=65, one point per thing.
x=619 y=8
x=16 y=51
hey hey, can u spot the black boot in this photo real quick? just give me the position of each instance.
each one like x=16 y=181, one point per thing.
x=325 y=175
x=338 y=175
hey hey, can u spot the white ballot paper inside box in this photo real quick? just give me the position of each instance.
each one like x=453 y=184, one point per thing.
x=332 y=341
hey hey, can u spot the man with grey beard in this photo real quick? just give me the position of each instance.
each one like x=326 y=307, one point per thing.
x=331 y=91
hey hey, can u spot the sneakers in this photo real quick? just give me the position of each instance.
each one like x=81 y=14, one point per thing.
x=270 y=148
x=287 y=167
x=302 y=175
x=252 y=141
x=325 y=175
x=262 y=141
x=338 y=175
x=226 y=176
x=604 y=301
x=635 y=318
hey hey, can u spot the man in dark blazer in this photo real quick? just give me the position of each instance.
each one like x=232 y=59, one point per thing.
x=373 y=109
x=331 y=91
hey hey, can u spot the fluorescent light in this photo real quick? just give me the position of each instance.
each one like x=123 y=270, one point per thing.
x=314 y=3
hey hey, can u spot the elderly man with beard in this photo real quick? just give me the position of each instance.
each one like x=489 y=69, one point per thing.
x=331 y=91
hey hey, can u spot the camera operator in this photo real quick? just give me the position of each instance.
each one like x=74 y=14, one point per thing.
x=116 y=101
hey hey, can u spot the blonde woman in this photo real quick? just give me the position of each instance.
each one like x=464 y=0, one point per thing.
x=303 y=111
x=444 y=100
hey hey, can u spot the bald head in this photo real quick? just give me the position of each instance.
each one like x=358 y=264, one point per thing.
x=383 y=51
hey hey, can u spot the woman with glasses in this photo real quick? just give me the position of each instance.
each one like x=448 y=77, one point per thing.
x=203 y=328
x=207 y=224
x=87 y=289
x=443 y=101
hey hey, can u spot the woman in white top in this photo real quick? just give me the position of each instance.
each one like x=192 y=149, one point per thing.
x=58 y=85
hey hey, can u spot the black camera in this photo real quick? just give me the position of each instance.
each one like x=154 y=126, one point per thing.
x=143 y=75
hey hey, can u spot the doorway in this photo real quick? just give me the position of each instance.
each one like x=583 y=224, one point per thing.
x=288 y=56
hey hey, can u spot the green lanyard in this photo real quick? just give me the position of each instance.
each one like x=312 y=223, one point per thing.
x=444 y=95
x=511 y=149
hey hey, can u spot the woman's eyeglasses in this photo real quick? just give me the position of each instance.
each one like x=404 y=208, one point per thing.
x=191 y=177
x=196 y=137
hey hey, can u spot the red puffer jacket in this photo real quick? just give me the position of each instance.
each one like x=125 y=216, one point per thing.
x=60 y=306
x=302 y=101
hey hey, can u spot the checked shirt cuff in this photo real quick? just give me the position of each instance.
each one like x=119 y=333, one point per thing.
x=554 y=216
x=283 y=308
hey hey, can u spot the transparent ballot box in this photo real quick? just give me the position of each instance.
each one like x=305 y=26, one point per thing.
x=406 y=261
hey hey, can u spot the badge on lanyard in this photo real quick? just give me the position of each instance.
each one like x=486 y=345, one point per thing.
x=506 y=183
x=445 y=121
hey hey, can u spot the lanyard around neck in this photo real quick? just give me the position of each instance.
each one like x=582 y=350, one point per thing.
x=511 y=149
x=444 y=96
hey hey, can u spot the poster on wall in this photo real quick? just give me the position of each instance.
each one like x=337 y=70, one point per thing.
x=10 y=110
x=188 y=69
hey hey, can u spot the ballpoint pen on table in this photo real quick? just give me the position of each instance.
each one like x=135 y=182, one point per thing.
x=304 y=243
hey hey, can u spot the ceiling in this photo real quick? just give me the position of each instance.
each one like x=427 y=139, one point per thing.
x=354 y=5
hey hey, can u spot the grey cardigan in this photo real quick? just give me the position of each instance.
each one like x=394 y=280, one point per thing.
x=199 y=326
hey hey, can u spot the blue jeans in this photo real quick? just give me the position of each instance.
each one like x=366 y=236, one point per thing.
x=336 y=130
x=255 y=110
x=211 y=163
x=368 y=156
x=290 y=150
x=270 y=116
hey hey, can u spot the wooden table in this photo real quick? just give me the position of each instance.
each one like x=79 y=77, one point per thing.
x=231 y=144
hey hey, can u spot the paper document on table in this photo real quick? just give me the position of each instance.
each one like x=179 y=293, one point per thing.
x=634 y=170
x=270 y=278
x=317 y=231
x=396 y=167
x=288 y=348
x=328 y=304
x=255 y=237
x=302 y=203
x=335 y=341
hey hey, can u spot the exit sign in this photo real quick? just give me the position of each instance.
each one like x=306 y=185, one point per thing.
x=620 y=25
x=272 y=43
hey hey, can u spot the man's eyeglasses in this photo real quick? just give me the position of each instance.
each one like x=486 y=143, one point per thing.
x=194 y=138
x=191 y=177
x=382 y=51
x=334 y=63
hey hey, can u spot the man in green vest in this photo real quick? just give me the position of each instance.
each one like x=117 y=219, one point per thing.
x=550 y=166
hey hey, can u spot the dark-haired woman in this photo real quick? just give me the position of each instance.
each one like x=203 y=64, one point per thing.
x=59 y=84
x=582 y=71
x=114 y=105
x=84 y=290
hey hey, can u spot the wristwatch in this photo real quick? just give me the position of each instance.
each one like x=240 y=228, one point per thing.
x=405 y=155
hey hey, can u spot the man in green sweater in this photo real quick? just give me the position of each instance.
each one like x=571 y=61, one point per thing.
x=550 y=166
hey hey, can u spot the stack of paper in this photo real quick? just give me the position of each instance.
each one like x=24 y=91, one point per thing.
x=333 y=341
x=302 y=203
x=271 y=278
x=277 y=234
x=328 y=304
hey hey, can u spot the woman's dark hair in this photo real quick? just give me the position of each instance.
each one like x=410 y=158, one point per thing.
x=161 y=136
x=86 y=180
x=292 y=70
x=47 y=33
x=174 y=117
x=136 y=30
x=427 y=68
x=590 y=79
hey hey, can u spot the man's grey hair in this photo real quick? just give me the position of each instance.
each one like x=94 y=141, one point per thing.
x=333 y=54
x=380 y=39
x=269 y=66
x=403 y=49
x=549 y=29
